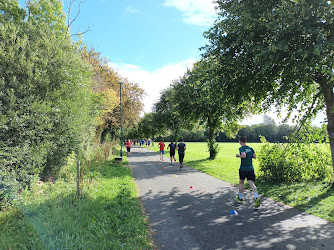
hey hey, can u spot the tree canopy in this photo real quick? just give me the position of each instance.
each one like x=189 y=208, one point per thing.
x=276 y=53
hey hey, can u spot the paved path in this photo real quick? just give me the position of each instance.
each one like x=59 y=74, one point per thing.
x=199 y=218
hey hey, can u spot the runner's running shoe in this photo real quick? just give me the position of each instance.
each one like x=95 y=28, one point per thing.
x=238 y=200
x=257 y=202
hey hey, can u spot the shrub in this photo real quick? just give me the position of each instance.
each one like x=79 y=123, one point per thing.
x=213 y=147
x=12 y=182
x=295 y=162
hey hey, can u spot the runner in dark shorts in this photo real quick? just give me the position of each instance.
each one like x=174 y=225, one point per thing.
x=172 y=148
x=181 y=147
x=246 y=170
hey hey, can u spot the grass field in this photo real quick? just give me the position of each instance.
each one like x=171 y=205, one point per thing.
x=107 y=215
x=312 y=197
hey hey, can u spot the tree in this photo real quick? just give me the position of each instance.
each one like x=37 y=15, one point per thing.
x=106 y=92
x=268 y=120
x=276 y=53
x=205 y=102
x=148 y=127
x=44 y=89
x=168 y=112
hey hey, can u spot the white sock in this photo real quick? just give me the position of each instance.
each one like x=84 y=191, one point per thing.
x=256 y=195
x=240 y=196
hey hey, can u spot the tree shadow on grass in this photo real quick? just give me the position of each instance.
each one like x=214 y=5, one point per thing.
x=284 y=191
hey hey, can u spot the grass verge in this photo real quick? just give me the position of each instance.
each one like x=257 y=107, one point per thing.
x=312 y=197
x=106 y=216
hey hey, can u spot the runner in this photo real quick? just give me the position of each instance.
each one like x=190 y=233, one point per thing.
x=172 y=148
x=181 y=147
x=128 y=148
x=148 y=143
x=246 y=170
x=162 y=145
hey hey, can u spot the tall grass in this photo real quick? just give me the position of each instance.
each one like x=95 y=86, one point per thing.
x=50 y=216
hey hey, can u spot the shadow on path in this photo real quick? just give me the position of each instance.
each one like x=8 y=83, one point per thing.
x=199 y=217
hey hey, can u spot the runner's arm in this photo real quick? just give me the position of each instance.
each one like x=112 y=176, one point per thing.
x=242 y=155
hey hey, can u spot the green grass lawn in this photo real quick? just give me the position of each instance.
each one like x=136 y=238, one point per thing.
x=107 y=215
x=312 y=197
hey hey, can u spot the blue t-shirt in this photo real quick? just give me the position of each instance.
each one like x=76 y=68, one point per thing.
x=247 y=163
x=181 y=147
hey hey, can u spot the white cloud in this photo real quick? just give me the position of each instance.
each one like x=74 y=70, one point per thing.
x=198 y=12
x=131 y=10
x=153 y=82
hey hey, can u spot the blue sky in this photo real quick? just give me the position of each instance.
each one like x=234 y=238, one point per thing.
x=149 y=42
x=148 y=33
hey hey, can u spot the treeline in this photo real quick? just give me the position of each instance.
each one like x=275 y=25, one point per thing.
x=272 y=132
x=57 y=97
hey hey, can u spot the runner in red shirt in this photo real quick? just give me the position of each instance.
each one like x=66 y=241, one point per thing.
x=162 y=145
x=128 y=147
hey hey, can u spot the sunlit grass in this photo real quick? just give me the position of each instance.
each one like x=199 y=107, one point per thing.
x=106 y=216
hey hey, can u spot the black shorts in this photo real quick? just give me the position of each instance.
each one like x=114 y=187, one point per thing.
x=250 y=175
x=172 y=153
x=128 y=149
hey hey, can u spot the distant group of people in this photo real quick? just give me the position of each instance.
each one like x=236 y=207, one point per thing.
x=141 y=143
x=181 y=147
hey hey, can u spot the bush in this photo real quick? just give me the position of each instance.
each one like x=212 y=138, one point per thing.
x=12 y=182
x=295 y=162
x=213 y=147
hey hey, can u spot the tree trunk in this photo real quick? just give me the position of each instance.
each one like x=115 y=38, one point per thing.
x=329 y=101
x=210 y=138
x=176 y=132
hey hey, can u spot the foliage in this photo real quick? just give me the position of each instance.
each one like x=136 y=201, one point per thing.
x=231 y=133
x=54 y=94
x=169 y=111
x=295 y=162
x=11 y=185
x=44 y=90
x=148 y=127
x=213 y=147
x=275 y=53
x=106 y=92
x=107 y=215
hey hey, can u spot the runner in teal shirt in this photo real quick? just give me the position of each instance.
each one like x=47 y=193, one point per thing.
x=247 y=163
x=246 y=170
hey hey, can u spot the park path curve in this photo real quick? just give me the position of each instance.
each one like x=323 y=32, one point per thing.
x=199 y=218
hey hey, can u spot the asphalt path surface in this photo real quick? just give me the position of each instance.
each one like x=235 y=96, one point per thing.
x=182 y=217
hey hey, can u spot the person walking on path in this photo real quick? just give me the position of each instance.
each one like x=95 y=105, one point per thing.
x=181 y=147
x=172 y=148
x=128 y=148
x=162 y=146
x=148 y=143
x=246 y=170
